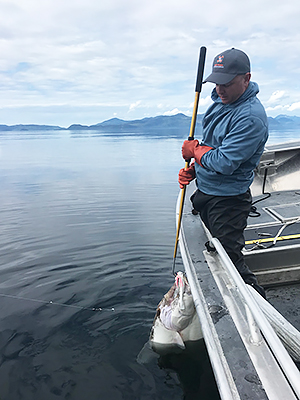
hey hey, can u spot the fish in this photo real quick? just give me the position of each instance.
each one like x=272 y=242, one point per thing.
x=176 y=321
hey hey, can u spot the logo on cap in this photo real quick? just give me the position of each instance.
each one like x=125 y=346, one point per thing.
x=219 y=62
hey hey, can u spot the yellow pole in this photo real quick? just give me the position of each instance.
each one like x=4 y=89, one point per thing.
x=191 y=137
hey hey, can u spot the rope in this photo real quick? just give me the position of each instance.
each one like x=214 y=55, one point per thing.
x=50 y=302
x=258 y=243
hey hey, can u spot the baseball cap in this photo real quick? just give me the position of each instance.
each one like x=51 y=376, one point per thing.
x=227 y=65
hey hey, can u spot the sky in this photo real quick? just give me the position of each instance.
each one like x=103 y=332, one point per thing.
x=86 y=61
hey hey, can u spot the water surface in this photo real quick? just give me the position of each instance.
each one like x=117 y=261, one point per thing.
x=87 y=237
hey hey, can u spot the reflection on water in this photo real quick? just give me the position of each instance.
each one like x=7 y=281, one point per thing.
x=87 y=236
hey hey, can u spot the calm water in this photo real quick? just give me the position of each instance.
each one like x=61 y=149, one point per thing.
x=87 y=237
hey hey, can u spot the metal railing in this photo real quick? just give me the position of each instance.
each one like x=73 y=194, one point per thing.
x=283 y=359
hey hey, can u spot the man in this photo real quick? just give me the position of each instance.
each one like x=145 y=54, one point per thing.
x=235 y=130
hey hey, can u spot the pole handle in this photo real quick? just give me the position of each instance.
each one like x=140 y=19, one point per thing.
x=198 y=88
x=200 y=69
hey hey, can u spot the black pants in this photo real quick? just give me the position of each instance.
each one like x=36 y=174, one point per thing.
x=226 y=219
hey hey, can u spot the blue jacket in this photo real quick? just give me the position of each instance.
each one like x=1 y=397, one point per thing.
x=237 y=132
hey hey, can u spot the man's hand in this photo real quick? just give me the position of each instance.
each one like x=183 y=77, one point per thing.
x=185 y=176
x=192 y=149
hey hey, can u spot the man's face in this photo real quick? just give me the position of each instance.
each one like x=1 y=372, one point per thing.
x=234 y=89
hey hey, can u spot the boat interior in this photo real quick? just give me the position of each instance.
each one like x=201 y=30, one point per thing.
x=272 y=237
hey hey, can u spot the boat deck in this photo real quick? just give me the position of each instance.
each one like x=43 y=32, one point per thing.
x=286 y=299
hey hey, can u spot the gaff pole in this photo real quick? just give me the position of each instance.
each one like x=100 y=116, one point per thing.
x=191 y=137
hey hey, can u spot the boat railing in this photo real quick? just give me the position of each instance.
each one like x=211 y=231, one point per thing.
x=280 y=353
x=224 y=379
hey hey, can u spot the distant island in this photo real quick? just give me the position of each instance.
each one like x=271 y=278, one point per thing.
x=176 y=125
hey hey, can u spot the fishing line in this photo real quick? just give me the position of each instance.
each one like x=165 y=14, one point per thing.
x=50 y=302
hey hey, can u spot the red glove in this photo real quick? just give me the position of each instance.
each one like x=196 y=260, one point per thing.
x=185 y=176
x=192 y=149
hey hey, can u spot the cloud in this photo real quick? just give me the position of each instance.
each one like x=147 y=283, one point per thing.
x=133 y=106
x=294 y=106
x=131 y=56
x=173 y=112
x=278 y=103
x=277 y=96
x=276 y=109
x=205 y=102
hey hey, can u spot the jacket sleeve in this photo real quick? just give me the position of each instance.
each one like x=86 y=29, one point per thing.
x=244 y=139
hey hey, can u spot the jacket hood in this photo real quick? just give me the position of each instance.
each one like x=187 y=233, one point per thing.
x=251 y=91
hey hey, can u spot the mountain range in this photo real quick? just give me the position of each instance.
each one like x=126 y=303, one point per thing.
x=175 y=125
